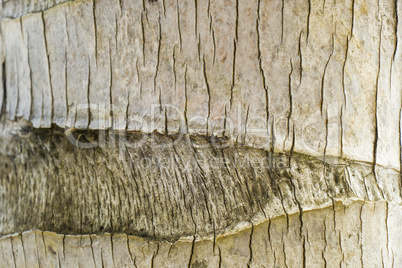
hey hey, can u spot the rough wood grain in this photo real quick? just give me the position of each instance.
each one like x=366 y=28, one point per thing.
x=334 y=236
x=208 y=133
x=317 y=77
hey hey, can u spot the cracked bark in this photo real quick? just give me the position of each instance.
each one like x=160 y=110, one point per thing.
x=256 y=150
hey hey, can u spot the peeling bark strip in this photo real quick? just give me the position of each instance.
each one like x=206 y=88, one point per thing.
x=165 y=187
x=331 y=242
x=114 y=64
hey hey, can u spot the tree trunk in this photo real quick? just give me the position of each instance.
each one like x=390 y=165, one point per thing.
x=257 y=133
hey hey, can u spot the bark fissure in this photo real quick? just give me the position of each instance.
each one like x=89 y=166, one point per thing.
x=250 y=246
x=48 y=66
x=376 y=134
x=290 y=98
x=208 y=93
x=261 y=69
x=178 y=23
x=323 y=76
x=158 y=55
x=353 y=18
x=308 y=20
x=282 y=19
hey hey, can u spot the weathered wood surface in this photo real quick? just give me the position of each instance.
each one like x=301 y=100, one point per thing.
x=277 y=144
x=167 y=187
x=358 y=235
x=321 y=77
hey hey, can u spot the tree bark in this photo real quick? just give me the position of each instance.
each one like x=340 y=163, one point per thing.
x=209 y=133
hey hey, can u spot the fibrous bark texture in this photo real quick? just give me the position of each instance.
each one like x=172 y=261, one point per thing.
x=200 y=133
x=167 y=187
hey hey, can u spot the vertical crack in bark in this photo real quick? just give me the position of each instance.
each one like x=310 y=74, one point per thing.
x=250 y=246
x=12 y=252
x=88 y=93
x=376 y=137
x=284 y=209
x=224 y=122
x=290 y=98
x=92 y=249
x=178 y=23
x=282 y=18
x=326 y=138
x=386 y=226
x=208 y=92
x=233 y=73
x=272 y=148
x=199 y=47
x=30 y=80
x=269 y=234
x=323 y=76
x=4 y=84
x=23 y=247
x=95 y=28
x=344 y=105
x=220 y=257
x=158 y=54
x=245 y=124
x=66 y=83
x=192 y=251
x=289 y=177
x=133 y=259
x=284 y=251
x=326 y=243
x=38 y=259
x=44 y=243
x=299 y=53
x=343 y=70
x=341 y=131
x=360 y=234
x=236 y=39
x=143 y=34
x=48 y=66
x=400 y=139
x=353 y=18
x=308 y=20
x=292 y=147
x=112 y=249
x=164 y=8
x=127 y=109
x=262 y=73
x=174 y=69
x=195 y=17
x=116 y=32
x=304 y=252
x=396 y=27
x=209 y=13
x=110 y=85
x=342 y=252
x=17 y=103
x=214 y=43
x=185 y=98
x=64 y=246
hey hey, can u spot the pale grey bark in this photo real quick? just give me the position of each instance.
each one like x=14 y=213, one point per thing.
x=279 y=123
x=357 y=235
x=318 y=77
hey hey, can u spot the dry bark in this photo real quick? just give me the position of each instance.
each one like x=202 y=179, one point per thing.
x=206 y=133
